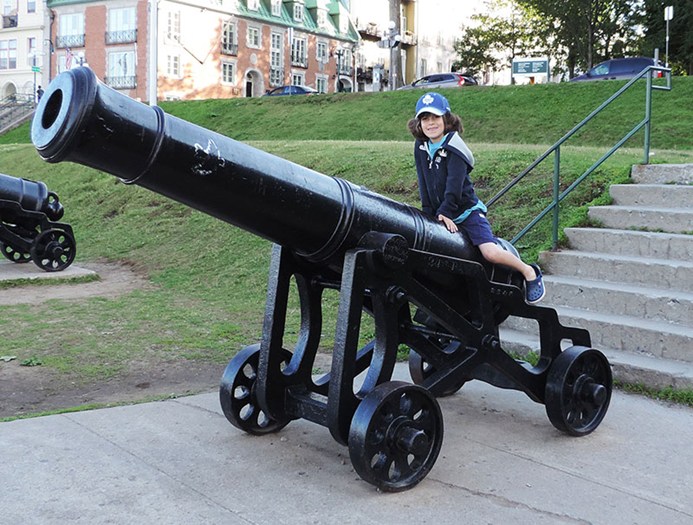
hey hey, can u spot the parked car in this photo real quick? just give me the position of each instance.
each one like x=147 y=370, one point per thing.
x=291 y=90
x=442 y=80
x=617 y=69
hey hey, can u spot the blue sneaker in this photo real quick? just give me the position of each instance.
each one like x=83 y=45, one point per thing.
x=534 y=289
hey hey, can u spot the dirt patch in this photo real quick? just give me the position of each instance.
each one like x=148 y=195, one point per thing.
x=34 y=389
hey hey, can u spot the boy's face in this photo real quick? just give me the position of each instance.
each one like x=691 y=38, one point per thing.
x=433 y=126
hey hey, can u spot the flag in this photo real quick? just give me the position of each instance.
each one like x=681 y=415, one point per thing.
x=68 y=59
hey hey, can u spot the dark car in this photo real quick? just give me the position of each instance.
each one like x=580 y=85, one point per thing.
x=442 y=80
x=617 y=69
x=291 y=90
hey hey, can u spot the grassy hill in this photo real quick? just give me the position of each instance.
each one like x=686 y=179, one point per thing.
x=209 y=277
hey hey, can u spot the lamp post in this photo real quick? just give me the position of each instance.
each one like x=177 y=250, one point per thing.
x=392 y=39
x=339 y=54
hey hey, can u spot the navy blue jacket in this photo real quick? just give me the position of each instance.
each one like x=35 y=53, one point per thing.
x=444 y=184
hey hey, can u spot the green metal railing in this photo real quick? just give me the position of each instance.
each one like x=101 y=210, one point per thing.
x=558 y=196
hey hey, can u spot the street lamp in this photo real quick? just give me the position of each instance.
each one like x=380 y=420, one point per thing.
x=392 y=39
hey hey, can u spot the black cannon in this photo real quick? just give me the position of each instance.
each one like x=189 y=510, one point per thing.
x=426 y=290
x=28 y=227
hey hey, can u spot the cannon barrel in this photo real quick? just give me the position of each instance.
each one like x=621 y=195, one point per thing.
x=31 y=196
x=82 y=120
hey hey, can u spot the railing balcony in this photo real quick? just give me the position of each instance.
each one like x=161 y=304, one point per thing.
x=123 y=82
x=299 y=61
x=121 y=37
x=9 y=21
x=229 y=49
x=63 y=41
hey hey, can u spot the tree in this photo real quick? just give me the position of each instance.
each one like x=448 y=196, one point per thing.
x=591 y=30
x=680 y=33
x=493 y=41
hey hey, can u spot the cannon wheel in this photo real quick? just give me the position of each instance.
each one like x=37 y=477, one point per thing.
x=13 y=254
x=578 y=390
x=420 y=370
x=53 y=250
x=395 y=435
x=238 y=397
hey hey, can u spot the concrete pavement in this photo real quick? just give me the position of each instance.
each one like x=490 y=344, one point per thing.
x=180 y=462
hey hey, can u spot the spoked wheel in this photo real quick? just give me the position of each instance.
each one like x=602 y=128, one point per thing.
x=13 y=254
x=53 y=250
x=238 y=397
x=420 y=370
x=578 y=390
x=395 y=435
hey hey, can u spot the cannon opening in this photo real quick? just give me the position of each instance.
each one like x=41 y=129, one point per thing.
x=50 y=114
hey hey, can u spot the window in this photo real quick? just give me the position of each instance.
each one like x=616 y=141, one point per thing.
x=122 y=25
x=229 y=38
x=121 y=70
x=298 y=12
x=228 y=72
x=71 y=30
x=276 y=7
x=276 y=59
x=253 y=5
x=298 y=52
x=31 y=6
x=322 y=18
x=8 y=54
x=321 y=52
x=253 y=37
x=298 y=79
x=173 y=25
x=9 y=7
x=31 y=58
x=344 y=61
x=173 y=65
x=321 y=83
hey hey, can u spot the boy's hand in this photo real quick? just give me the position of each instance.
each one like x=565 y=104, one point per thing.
x=449 y=224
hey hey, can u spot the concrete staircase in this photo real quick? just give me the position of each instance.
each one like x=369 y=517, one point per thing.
x=630 y=282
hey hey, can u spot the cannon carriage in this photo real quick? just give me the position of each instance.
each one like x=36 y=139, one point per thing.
x=426 y=290
x=29 y=230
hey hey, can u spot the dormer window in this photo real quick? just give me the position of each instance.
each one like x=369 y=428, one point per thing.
x=276 y=7
x=322 y=18
x=254 y=5
x=298 y=12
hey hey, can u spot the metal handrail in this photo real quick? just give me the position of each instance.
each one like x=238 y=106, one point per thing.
x=556 y=149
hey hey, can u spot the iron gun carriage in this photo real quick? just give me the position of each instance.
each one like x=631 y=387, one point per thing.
x=425 y=289
x=29 y=230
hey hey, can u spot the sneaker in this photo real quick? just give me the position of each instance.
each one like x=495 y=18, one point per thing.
x=534 y=289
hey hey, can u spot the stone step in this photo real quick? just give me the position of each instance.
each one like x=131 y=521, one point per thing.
x=652 y=195
x=671 y=306
x=657 y=339
x=656 y=273
x=632 y=243
x=627 y=367
x=662 y=173
x=674 y=220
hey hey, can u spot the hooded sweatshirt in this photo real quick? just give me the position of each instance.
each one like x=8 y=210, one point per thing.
x=444 y=184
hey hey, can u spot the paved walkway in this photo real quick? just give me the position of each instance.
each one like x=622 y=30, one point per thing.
x=180 y=462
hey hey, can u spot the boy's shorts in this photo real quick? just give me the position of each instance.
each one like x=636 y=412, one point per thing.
x=478 y=228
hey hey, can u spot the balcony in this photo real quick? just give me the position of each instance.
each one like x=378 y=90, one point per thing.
x=124 y=82
x=121 y=37
x=299 y=61
x=408 y=39
x=229 y=49
x=9 y=21
x=63 y=41
x=369 y=31
x=347 y=71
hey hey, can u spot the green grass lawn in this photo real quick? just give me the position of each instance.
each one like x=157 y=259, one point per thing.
x=210 y=277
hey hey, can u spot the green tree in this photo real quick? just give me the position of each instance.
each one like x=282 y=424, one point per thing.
x=680 y=33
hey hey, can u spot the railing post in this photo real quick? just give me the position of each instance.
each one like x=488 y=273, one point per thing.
x=556 y=193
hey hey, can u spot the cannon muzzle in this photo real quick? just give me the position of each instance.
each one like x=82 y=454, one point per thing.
x=82 y=120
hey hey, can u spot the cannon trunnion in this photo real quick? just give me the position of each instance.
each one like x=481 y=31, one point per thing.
x=426 y=290
x=29 y=230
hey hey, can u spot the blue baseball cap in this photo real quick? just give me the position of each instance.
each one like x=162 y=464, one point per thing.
x=432 y=103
